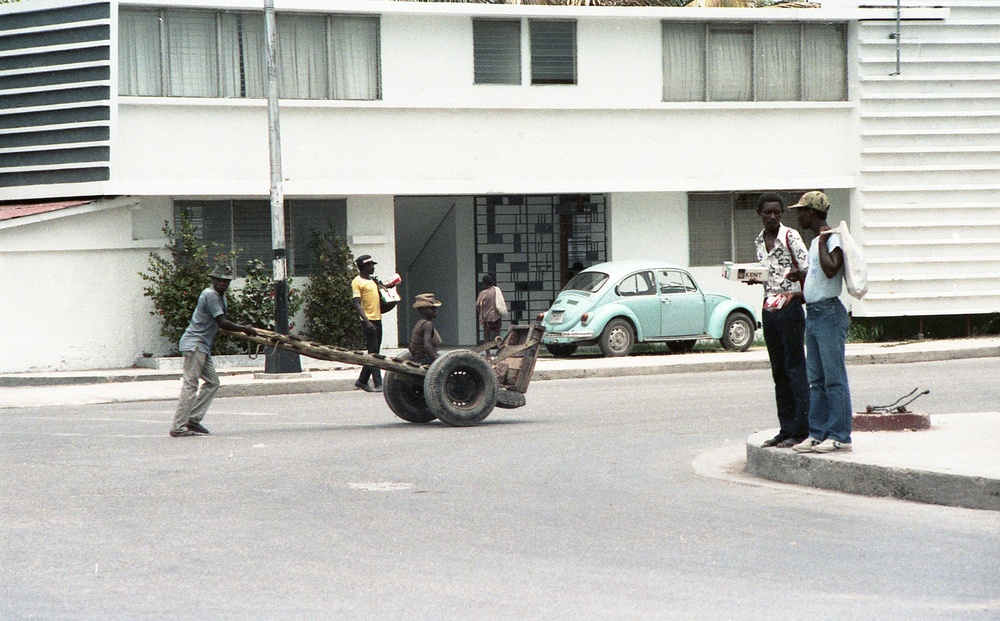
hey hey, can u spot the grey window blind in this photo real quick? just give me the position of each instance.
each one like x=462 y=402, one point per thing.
x=553 y=51
x=496 y=51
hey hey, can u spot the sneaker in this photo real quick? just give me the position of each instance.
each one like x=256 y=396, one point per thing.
x=183 y=433
x=832 y=446
x=197 y=428
x=806 y=446
x=772 y=442
x=378 y=388
x=364 y=387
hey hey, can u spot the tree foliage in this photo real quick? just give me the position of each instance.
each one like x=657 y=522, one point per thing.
x=330 y=314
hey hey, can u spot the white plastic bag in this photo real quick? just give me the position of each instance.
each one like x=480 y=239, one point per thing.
x=501 y=303
x=855 y=268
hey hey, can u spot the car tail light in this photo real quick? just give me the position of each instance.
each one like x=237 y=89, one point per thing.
x=540 y=317
x=584 y=318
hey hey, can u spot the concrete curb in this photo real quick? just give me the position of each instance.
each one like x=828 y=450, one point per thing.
x=833 y=472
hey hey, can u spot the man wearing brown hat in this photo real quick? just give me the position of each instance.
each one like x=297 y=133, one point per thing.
x=365 y=294
x=826 y=332
x=425 y=340
x=196 y=346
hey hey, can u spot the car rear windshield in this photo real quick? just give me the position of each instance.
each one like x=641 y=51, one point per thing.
x=588 y=282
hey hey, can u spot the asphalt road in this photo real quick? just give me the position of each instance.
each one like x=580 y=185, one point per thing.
x=583 y=505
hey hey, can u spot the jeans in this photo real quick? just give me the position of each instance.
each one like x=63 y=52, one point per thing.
x=373 y=341
x=784 y=335
x=193 y=402
x=830 y=414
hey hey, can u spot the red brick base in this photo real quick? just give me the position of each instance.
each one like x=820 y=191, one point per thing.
x=891 y=421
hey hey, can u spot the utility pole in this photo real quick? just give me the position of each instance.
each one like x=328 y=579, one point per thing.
x=280 y=361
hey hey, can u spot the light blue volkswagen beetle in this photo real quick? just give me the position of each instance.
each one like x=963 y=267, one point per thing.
x=614 y=305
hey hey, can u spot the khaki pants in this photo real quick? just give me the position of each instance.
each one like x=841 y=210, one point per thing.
x=193 y=403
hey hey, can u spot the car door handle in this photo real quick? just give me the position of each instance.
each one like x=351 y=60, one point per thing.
x=665 y=300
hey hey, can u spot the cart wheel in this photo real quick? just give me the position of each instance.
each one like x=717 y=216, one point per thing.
x=405 y=396
x=510 y=399
x=460 y=388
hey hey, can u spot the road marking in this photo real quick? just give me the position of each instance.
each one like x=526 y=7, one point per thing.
x=380 y=486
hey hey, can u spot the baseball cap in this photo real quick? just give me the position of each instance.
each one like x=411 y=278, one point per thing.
x=814 y=200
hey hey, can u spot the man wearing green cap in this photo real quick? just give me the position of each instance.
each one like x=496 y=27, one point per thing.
x=196 y=346
x=827 y=322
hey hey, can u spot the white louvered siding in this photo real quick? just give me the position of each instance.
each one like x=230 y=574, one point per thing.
x=929 y=184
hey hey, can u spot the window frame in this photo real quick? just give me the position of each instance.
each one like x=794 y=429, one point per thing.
x=529 y=57
x=705 y=65
x=741 y=246
x=221 y=78
x=222 y=237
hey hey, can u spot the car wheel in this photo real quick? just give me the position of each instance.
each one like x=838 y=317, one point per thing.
x=617 y=338
x=404 y=394
x=561 y=350
x=739 y=332
x=680 y=347
x=460 y=388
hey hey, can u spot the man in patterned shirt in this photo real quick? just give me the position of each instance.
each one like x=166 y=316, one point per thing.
x=782 y=251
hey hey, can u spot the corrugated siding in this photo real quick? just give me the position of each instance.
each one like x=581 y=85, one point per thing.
x=930 y=172
x=55 y=95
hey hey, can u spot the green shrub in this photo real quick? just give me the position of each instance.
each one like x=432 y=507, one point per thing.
x=256 y=298
x=177 y=281
x=330 y=314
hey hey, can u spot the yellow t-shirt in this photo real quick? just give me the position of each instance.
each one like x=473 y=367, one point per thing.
x=367 y=290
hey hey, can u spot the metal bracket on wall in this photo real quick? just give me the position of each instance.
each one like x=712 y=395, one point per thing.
x=897 y=36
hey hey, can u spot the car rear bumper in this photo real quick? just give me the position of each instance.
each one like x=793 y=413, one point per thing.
x=570 y=336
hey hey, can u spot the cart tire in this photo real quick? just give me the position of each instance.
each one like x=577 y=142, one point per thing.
x=460 y=388
x=404 y=395
x=509 y=399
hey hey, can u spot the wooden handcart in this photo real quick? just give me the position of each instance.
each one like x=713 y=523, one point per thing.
x=460 y=388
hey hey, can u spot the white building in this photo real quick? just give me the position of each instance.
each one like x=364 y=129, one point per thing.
x=449 y=140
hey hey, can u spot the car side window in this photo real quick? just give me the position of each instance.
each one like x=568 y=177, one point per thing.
x=640 y=283
x=675 y=281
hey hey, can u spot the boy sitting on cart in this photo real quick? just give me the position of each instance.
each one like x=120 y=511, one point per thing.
x=425 y=340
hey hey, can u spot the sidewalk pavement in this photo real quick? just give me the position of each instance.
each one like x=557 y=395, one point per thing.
x=935 y=466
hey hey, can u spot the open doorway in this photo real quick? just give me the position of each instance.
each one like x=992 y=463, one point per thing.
x=531 y=245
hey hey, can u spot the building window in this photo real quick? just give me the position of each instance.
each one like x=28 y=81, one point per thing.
x=553 y=51
x=194 y=53
x=497 y=51
x=754 y=62
x=245 y=225
x=496 y=47
x=723 y=226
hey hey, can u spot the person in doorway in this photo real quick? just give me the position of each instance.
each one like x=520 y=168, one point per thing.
x=425 y=340
x=486 y=308
x=782 y=251
x=196 y=346
x=573 y=271
x=366 y=299
x=827 y=322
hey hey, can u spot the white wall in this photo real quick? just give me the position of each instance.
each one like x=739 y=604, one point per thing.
x=331 y=151
x=73 y=296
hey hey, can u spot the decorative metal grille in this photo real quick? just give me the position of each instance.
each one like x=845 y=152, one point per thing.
x=529 y=243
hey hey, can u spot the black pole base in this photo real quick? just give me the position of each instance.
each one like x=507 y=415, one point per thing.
x=282 y=361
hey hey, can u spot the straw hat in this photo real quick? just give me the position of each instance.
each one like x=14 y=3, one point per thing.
x=426 y=300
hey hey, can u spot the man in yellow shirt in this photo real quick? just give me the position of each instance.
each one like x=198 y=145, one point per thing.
x=368 y=304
